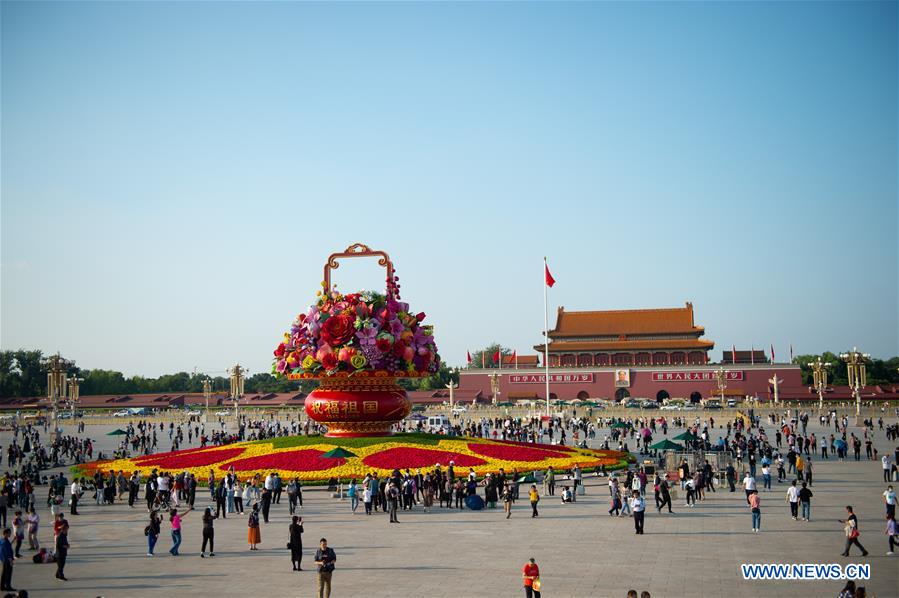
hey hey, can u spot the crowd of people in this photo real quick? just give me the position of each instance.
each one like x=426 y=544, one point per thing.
x=776 y=451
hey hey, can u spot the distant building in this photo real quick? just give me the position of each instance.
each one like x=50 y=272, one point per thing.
x=636 y=337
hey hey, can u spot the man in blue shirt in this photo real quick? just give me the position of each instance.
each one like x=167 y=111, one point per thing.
x=6 y=554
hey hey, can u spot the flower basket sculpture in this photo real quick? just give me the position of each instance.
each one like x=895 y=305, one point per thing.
x=357 y=345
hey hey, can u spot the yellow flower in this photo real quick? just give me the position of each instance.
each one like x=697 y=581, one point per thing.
x=308 y=362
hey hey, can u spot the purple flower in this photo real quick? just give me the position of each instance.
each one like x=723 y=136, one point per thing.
x=395 y=327
x=367 y=336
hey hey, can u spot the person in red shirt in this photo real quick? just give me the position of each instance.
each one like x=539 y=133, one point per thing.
x=531 y=573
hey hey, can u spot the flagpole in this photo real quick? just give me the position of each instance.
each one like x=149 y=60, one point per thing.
x=546 y=334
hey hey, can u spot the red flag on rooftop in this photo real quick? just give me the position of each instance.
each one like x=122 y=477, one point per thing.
x=515 y=358
x=772 y=353
x=468 y=356
x=496 y=357
x=550 y=281
x=733 y=354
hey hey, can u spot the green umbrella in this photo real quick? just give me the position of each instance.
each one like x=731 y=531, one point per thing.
x=527 y=479
x=667 y=445
x=117 y=433
x=685 y=436
x=338 y=453
x=505 y=404
x=621 y=425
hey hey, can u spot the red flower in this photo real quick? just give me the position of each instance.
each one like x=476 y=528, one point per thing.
x=279 y=352
x=398 y=349
x=195 y=458
x=383 y=344
x=329 y=361
x=298 y=460
x=420 y=316
x=403 y=457
x=504 y=452
x=338 y=330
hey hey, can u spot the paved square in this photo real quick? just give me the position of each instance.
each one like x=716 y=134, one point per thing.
x=581 y=551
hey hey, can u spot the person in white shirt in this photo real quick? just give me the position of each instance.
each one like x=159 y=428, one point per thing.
x=748 y=485
x=75 y=493
x=639 y=507
x=887 y=466
x=889 y=499
x=793 y=499
x=269 y=482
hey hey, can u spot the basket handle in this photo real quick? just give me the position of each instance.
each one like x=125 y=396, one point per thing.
x=359 y=250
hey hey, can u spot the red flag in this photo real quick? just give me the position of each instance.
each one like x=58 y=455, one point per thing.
x=772 y=353
x=733 y=353
x=468 y=355
x=515 y=358
x=550 y=281
x=496 y=356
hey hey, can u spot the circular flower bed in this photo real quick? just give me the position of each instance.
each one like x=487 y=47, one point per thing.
x=300 y=456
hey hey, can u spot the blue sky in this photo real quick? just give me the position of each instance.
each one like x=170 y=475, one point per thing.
x=174 y=175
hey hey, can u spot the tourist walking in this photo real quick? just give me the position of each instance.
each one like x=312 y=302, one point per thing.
x=325 y=559
x=152 y=531
x=351 y=491
x=793 y=499
x=852 y=532
x=535 y=498
x=507 y=501
x=892 y=532
x=531 y=575
x=889 y=500
x=62 y=551
x=665 y=495
x=755 y=505
x=805 y=500
x=208 y=533
x=295 y=542
x=6 y=553
x=254 y=534
x=638 y=504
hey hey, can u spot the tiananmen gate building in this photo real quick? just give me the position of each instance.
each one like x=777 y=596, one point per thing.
x=640 y=353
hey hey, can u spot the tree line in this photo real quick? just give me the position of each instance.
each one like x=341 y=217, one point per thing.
x=23 y=373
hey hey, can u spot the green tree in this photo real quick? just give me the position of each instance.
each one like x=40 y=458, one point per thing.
x=485 y=356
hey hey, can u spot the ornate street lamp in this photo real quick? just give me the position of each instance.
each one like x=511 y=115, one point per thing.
x=819 y=372
x=207 y=392
x=858 y=378
x=237 y=384
x=452 y=387
x=74 y=394
x=56 y=387
x=721 y=376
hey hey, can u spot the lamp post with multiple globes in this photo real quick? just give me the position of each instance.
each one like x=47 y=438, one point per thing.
x=858 y=377
x=238 y=376
x=56 y=387
x=819 y=372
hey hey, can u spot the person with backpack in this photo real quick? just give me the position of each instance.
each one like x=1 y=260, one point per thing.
x=254 y=534
x=152 y=531
x=325 y=558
